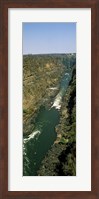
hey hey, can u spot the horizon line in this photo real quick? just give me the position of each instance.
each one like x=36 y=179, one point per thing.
x=49 y=53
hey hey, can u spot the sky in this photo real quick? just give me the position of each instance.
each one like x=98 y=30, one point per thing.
x=44 y=38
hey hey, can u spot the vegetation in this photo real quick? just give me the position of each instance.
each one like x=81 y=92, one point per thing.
x=61 y=159
x=40 y=73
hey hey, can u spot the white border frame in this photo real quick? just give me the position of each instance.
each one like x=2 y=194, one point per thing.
x=81 y=182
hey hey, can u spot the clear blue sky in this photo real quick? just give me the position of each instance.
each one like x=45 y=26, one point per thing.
x=44 y=38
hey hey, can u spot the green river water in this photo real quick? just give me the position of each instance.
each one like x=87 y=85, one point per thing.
x=36 y=145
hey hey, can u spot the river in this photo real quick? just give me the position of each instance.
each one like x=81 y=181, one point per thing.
x=37 y=144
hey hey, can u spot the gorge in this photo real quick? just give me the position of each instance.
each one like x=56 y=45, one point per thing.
x=49 y=124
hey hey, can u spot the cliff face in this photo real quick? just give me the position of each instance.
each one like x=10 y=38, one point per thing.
x=40 y=73
x=43 y=77
x=61 y=159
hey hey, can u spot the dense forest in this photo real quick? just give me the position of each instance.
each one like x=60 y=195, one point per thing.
x=42 y=73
